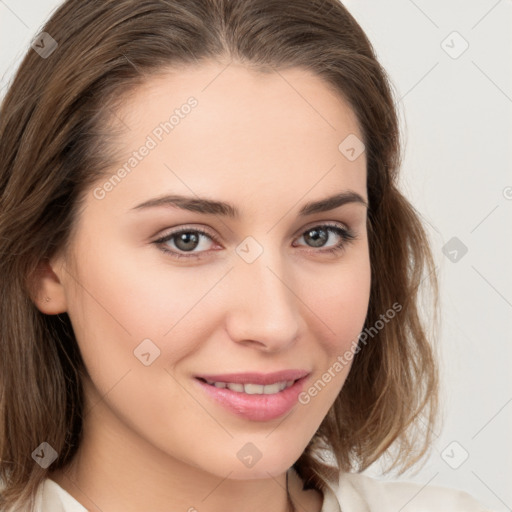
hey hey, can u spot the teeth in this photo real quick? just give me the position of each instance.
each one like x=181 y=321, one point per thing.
x=235 y=387
x=253 y=389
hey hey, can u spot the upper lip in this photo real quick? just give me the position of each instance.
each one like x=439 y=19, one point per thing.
x=256 y=378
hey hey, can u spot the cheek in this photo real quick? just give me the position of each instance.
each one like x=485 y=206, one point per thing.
x=342 y=307
x=339 y=298
x=133 y=323
x=124 y=308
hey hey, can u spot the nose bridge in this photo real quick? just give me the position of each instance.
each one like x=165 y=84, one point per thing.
x=264 y=308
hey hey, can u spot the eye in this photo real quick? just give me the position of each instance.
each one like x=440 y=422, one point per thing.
x=184 y=242
x=318 y=236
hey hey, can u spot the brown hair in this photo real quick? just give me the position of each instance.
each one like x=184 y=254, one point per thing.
x=55 y=145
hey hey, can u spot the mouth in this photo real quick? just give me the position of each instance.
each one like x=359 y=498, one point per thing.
x=251 y=388
x=254 y=401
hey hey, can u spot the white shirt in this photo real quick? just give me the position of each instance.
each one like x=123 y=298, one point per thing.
x=355 y=493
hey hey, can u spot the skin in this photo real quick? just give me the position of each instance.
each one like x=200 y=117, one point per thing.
x=267 y=143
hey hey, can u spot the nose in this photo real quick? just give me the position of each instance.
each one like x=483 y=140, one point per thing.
x=263 y=308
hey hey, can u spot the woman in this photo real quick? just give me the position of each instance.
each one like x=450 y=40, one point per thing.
x=210 y=277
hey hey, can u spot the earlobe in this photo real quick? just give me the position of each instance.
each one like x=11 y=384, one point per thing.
x=47 y=290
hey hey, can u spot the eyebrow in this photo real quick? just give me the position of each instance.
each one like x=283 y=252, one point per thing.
x=212 y=207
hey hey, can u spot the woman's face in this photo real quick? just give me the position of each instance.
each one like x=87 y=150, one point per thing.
x=253 y=292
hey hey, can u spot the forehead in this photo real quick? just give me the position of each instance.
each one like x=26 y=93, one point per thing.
x=245 y=126
x=235 y=94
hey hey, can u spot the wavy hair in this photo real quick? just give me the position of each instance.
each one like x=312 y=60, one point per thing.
x=55 y=131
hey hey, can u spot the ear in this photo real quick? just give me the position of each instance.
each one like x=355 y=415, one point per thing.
x=47 y=290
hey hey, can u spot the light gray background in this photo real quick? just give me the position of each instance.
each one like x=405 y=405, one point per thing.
x=456 y=121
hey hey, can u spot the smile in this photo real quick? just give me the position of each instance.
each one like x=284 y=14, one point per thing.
x=253 y=389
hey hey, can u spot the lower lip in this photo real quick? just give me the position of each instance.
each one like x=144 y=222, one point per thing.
x=256 y=407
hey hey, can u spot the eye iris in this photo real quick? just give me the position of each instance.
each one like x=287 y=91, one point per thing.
x=187 y=241
x=317 y=236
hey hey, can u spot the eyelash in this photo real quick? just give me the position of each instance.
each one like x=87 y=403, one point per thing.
x=346 y=235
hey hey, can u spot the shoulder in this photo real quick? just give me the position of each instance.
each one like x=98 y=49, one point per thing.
x=357 y=492
x=51 y=497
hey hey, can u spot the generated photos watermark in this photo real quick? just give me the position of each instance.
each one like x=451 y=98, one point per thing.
x=343 y=360
x=156 y=136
